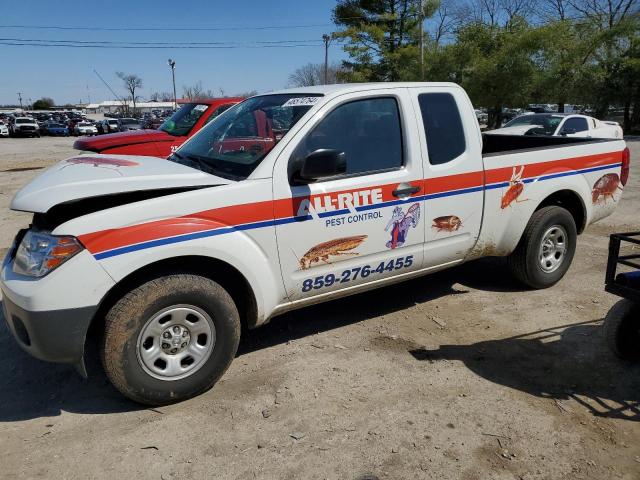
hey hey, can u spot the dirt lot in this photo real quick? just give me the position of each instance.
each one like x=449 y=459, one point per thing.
x=458 y=375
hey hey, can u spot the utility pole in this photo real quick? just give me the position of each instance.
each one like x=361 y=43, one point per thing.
x=172 y=64
x=326 y=38
x=421 y=40
x=20 y=99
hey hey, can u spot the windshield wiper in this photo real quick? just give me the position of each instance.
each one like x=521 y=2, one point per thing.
x=211 y=166
x=202 y=164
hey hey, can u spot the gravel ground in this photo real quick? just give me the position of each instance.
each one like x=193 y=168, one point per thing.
x=457 y=375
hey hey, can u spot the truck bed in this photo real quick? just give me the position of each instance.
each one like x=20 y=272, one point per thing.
x=493 y=145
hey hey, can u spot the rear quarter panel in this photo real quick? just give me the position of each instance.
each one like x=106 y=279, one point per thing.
x=577 y=168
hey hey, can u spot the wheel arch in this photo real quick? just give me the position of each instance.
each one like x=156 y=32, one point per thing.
x=571 y=201
x=231 y=279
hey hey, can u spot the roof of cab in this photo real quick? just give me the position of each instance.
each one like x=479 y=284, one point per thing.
x=211 y=101
x=342 y=88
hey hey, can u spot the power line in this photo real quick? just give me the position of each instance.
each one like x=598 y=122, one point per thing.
x=164 y=29
x=196 y=29
x=164 y=47
x=133 y=42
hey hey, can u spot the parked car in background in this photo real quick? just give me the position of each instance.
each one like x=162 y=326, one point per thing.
x=24 y=127
x=175 y=130
x=152 y=122
x=482 y=117
x=85 y=128
x=56 y=129
x=108 y=125
x=126 y=124
x=4 y=130
x=559 y=124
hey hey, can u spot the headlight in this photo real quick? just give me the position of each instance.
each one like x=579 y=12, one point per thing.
x=40 y=252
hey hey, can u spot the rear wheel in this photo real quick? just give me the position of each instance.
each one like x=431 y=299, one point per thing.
x=546 y=249
x=170 y=339
x=622 y=329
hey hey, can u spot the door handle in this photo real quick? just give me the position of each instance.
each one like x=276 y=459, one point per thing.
x=404 y=190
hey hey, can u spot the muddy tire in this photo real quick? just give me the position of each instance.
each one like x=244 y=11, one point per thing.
x=546 y=249
x=170 y=339
x=622 y=329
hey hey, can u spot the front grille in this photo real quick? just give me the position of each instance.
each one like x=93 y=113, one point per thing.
x=27 y=127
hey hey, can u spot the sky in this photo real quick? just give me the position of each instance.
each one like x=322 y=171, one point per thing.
x=67 y=74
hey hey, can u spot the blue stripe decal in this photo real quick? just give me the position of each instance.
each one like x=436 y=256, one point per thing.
x=283 y=221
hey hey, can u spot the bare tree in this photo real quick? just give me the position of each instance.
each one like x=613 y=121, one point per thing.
x=197 y=92
x=161 y=97
x=607 y=13
x=446 y=20
x=132 y=82
x=554 y=9
x=313 y=74
x=247 y=94
x=193 y=92
x=516 y=8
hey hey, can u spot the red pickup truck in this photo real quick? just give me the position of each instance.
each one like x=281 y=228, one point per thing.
x=175 y=130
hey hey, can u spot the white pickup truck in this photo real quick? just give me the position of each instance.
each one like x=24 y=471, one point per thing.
x=285 y=200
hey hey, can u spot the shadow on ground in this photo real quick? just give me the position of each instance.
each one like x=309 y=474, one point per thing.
x=561 y=363
x=486 y=274
x=31 y=388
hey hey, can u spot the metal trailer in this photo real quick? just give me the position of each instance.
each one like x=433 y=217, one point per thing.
x=622 y=323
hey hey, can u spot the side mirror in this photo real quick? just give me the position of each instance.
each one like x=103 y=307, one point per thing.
x=567 y=131
x=323 y=163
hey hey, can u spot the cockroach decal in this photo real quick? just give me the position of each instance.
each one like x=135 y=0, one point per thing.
x=448 y=223
x=605 y=187
x=516 y=187
x=338 y=246
x=108 y=163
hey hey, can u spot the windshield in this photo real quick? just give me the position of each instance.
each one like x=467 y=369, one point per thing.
x=234 y=144
x=24 y=120
x=549 y=123
x=180 y=123
x=128 y=121
x=55 y=125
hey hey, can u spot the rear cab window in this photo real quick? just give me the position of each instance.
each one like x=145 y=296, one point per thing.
x=443 y=127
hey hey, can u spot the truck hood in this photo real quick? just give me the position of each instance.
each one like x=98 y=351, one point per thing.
x=515 y=130
x=120 y=139
x=87 y=176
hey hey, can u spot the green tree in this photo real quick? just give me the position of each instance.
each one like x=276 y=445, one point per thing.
x=495 y=64
x=566 y=48
x=381 y=37
x=45 y=103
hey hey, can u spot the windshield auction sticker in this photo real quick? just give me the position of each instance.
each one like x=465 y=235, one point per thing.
x=301 y=102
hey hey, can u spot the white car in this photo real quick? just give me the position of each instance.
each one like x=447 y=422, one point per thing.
x=360 y=186
x=4 y=130
x=85 y=128
x=559 y=125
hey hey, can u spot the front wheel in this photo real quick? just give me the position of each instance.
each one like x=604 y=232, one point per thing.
x=170 y=339
x=622 y=329
x=546 y=249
